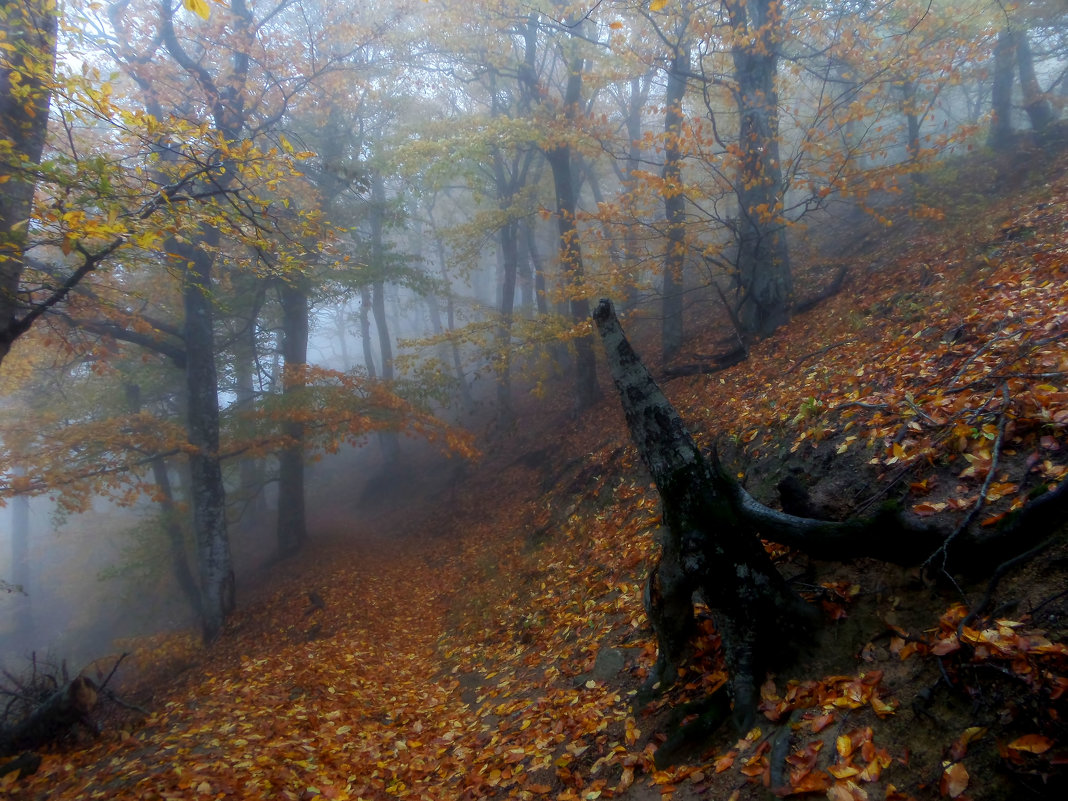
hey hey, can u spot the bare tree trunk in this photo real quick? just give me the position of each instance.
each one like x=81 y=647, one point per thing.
x=387 y=439
x=541 y=298
x=639 y=91
x=365 y=332
x=1001 y=95
x=509 y=241
x=250 y=472
x=526 y=274
x=507 y=183
x=763 y=258
x=21 y=566
x=708 y=549
x=207 y=492
x=450 y=322
x=559 y=158
x=292 y=520
x=28 y=28
x=172 y=526
x=674 y=206
x=1036 y=104
x=170 y=516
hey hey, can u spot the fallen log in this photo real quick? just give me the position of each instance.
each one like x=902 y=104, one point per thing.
x=53 y=718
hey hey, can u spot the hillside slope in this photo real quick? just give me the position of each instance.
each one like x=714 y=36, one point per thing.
x=489 y=642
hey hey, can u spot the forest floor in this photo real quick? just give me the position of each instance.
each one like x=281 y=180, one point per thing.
x=485 y=637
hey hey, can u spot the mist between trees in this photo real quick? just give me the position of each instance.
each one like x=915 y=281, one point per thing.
x=237 y=237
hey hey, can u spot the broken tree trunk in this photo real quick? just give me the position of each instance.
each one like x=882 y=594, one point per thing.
x=53 y=718
x=709 y=548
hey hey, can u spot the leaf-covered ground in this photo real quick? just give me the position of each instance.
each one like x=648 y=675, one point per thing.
x=489 y=640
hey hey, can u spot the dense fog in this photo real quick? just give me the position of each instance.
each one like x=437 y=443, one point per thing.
x=259 y=234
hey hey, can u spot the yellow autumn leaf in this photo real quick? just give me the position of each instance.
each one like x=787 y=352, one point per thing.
x=198 y=7
x=657 y=5
x=844 y=745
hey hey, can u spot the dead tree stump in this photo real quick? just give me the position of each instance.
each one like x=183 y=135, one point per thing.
x=709 y=548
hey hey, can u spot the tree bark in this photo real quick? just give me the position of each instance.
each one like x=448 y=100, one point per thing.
x=292 y=525
x=21 y=566
x=674 y=206
x=250 y=468
x=365 y=333
x=377 y=219
x=508 y=238
x=639 y=92
x=1036 y=104
x=708 y=548
x=1001 y=93
x=175 y=535
x=559 y=158
x=207 y=492
x=763 y=259
x=170 y=518
x=29 y=28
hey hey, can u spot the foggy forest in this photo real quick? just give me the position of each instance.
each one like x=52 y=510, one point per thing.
x=460 y=399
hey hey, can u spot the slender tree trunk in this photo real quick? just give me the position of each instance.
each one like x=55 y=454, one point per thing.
x=365 y=332
x=170 y=516
x=763 y=258
x=709 y=548
x=509 y=240
x=674 y=206
x=172 y=527
x=249 y=468
x=385 y=343
x=450 y=323
x=341 y=321
x=387 y=439
x=207 y=493
x=292 y=523
x=1036 y=104
x=559 y=158
x=21 y=566
x=378 y=258
x=526 y=273
x=541 y=297
x=638 y=95
x=508 y=237
x=1001 y=94
x=912 y=119
x=28 y=29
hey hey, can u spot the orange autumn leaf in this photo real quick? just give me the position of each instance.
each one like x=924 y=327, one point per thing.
x=954 y=780
x=725 y=762
x=1032 y=743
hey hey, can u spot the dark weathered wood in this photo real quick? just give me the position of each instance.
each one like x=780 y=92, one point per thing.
x=708 y=548
x=53 y=718
x=25 y=763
